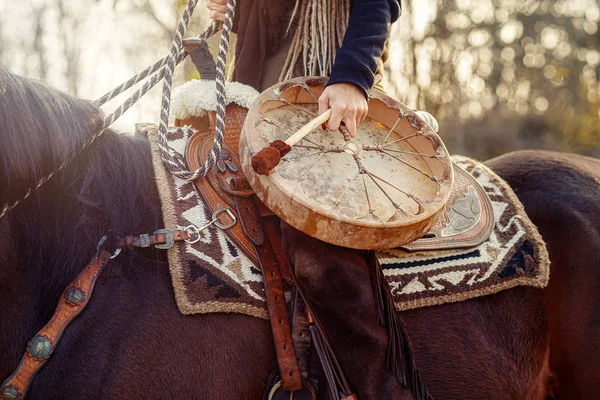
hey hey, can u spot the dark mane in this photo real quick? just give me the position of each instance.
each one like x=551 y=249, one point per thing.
x=40 y=126
x=108 y=186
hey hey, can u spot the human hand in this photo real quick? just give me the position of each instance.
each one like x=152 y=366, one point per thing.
x=348 y=104
x=218 y=9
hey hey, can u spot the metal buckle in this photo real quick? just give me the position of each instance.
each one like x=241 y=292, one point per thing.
x=215 y=217
x=170 y=239
x=144 y=240
x=193 y=230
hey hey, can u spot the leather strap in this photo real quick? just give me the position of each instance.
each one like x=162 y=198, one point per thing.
x=161 y=238
x=278 y=315
x=215 y=188
x=300 y=331
x=40 y=348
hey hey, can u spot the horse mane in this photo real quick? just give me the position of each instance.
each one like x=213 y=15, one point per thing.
x=108 y=186
x=40 y=126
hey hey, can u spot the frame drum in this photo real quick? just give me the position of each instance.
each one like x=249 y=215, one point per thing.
x=382 y=189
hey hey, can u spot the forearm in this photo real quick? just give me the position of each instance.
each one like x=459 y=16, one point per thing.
x=364 y=41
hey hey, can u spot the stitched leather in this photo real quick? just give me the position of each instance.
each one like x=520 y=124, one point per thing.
x=159 y=238
x=282 y=336
x=227 y=188
x=465 y=190
x=250 y=218
x=210 y=189
x=69 y=307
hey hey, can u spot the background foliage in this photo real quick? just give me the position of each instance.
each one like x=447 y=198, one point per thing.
x=499 y=75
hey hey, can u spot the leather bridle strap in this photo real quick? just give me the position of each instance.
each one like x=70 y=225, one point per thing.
x=160 y=238
x=40 y=348
x=72 y=302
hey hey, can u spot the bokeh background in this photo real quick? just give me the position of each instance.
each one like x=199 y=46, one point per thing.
x=499 y=75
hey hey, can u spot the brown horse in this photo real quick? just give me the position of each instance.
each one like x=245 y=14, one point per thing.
x=132 y=342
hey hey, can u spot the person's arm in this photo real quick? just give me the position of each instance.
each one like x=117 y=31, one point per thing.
x=353 y=72
x=364 y=40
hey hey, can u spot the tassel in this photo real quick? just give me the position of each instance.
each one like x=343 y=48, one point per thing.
x=325 y=364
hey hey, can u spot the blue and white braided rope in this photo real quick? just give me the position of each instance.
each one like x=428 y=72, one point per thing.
x=175 y=57
x=175 y=167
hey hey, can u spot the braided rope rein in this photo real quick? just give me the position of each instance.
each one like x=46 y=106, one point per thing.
x=176 y=167
x=175 y=57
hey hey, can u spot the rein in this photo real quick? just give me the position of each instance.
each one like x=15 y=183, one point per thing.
x=77 y=294
x=165 y=68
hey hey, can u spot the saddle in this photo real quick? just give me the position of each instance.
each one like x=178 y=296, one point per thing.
x=466 y=221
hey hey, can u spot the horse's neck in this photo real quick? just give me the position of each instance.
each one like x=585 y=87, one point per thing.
x=48 y=240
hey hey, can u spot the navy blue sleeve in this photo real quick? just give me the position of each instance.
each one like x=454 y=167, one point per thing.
x=368 y=30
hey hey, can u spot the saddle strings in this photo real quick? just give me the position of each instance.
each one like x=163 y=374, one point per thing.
x=319 y=32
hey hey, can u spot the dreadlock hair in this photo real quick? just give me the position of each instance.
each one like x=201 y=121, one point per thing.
x=320 y=28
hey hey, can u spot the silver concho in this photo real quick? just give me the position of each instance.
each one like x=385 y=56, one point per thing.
x=10 y=393
x=464 y=214
x=40 y=348
x=74 y=296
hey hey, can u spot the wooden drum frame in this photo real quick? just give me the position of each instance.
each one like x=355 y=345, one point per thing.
x=380 y=190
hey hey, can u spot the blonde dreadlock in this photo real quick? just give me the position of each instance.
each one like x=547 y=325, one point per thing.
x=320 y=29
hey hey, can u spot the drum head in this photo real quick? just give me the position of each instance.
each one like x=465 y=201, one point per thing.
x=382 y=189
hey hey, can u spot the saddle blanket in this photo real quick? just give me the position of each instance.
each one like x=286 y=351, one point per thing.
x=212 y=275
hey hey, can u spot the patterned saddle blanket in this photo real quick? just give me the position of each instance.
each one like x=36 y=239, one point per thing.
x=213 y=275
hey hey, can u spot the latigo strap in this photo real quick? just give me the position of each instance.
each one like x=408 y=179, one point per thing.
x=250 y=218
x=259 y=238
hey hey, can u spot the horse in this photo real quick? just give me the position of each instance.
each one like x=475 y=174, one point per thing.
x=132 y=342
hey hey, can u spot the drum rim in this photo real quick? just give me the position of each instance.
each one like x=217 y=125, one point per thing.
x=431 y=211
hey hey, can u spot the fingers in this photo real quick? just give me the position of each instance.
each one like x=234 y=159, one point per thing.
x=363 y=115
x=337 y=114
x=218 y=9
x=217 y=16
x=351 y=125
x=348 y=105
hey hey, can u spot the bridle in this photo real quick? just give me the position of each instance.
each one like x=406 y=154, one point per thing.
x=76 y=296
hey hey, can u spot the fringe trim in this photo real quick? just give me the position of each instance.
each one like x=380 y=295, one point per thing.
x=400 y=353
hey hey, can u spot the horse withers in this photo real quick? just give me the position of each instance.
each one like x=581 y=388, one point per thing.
x=132 y=342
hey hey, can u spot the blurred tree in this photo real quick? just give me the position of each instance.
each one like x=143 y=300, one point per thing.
x=483 y=63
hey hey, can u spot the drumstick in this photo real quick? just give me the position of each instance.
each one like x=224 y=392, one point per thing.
x=268 y=158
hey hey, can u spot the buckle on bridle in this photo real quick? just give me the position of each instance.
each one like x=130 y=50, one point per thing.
x=170 y=239
x=109 y=245
x=194 y=231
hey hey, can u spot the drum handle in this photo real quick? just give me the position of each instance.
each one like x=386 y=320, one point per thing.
x=308 y=128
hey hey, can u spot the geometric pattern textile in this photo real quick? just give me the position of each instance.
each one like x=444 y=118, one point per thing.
x=212 y=275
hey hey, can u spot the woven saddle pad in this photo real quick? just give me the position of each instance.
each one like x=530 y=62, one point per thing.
x=214 y=276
